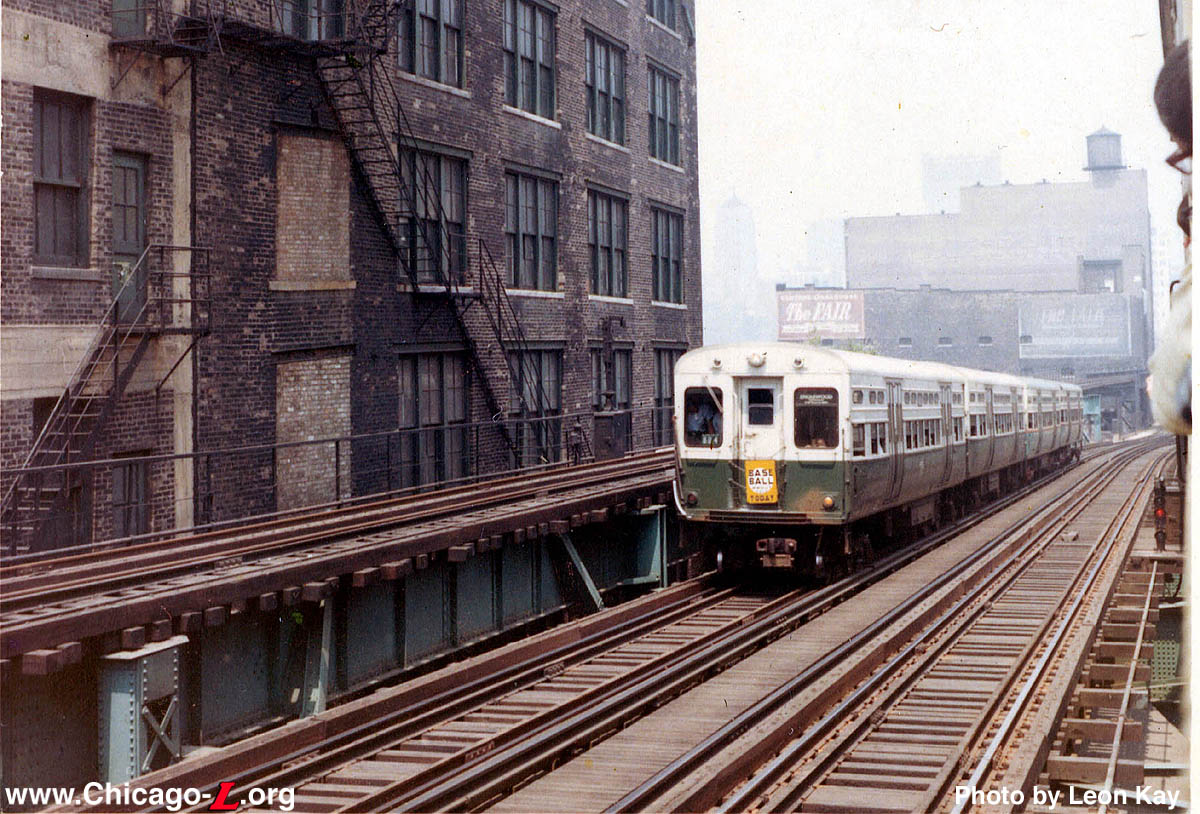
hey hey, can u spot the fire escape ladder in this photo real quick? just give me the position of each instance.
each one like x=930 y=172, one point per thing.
x=361 y=90
x=152 y=300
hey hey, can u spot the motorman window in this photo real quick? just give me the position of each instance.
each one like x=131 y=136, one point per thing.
x=702 y=420
x=816 y=417
x=760 y=407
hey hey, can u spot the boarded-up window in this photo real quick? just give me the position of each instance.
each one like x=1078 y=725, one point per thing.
x=59 y=179
x=312 y=404
x=312 y=218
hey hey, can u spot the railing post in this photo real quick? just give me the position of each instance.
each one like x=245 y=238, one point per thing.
x=337 y=470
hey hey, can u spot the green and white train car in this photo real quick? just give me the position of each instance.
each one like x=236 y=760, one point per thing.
x=803 y=456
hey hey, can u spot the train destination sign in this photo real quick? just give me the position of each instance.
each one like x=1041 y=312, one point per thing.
x=761 y=485
x=820 y=314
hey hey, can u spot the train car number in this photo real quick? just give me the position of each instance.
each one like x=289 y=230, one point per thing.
x=761 y=483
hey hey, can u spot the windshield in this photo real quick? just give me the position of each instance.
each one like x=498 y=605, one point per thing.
x=702 y=424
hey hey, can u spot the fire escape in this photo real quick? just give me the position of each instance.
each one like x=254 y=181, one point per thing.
x=348 y=41
x=165 y=291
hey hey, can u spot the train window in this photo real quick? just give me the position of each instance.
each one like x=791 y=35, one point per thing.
x=702 y=416
x=958 y=429
x=858 y=397
x=878 y=438
x=816 y=417
x=860 y=442
x=760 y=410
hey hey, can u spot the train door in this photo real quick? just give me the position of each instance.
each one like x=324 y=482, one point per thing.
x=760 y=437
x=895 y=405
x=946 y=430
x=990 y=427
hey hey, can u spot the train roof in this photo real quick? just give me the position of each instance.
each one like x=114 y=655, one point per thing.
x=779 y=357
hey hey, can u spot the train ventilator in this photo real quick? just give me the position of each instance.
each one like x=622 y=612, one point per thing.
x=809 y=458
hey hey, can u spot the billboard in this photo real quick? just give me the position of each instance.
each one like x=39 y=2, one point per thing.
x=820 y=314
x=1074 y=325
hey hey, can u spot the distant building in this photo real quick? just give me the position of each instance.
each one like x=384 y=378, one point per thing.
x=944 y=176
x=1051 y=280
x=737 y=301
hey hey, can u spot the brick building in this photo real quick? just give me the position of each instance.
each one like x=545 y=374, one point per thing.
x=439 y=232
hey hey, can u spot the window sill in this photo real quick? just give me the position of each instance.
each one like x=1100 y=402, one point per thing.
x=614 y=300
x=666 y=165
x=677 y=306
x=433 y=84
x=83 y=275
x=654 y=21
x=435 y=288
x=311 y=285
x=611 y=144
x=535 y=292
x=533 y=117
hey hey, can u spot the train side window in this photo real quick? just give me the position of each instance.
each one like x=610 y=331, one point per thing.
x=702 y=416
x=816 y=417
x=860 y=442
x=761 y=406
x=858 y=397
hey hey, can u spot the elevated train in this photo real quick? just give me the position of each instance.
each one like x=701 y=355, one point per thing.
x=804 y=457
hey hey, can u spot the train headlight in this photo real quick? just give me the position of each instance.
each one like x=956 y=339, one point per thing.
x=756 y=359
x=828 y=503
x=716 y=363
x=692 y=498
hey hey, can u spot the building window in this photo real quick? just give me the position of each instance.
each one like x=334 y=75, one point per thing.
x=536 y=399
x=663 y=11
x=529 y=57
x=664 y=394
x=664 y=115
x=904 y=342
x=612 y=389
x=531 y=226
x=605 y=76
x=607 y=243
x=311 y=19
x=985 y=340
x=128 y=19
x=431 y=40
x=433 y=223
x=60 y=169
x=432 y=418
x=666 y=258
x=131 y=506
x=1100 y=277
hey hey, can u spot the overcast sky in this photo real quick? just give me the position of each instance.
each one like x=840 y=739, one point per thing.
x=814 y=110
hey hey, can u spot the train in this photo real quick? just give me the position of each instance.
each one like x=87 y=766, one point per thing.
x=813 y=459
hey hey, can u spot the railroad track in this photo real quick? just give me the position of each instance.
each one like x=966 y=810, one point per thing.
x=475 y=756
x=54 y=579
x=893 y=740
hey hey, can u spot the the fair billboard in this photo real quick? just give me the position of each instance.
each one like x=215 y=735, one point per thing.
x=820 y=314
x=1074 y=325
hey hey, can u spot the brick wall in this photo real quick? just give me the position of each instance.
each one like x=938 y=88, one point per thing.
x=312 y=402
x=255 y=110
x=312 y=218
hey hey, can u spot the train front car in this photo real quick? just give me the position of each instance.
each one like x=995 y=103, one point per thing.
x=762 y=439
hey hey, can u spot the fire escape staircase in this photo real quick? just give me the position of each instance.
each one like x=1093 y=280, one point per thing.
x=360 y=87
x=150 y=302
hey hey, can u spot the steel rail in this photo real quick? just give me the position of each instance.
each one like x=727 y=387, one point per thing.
x=486 y=779
x=998 y=737
x=673 y=773
x=1110 y=774
x=161 y=562
x=316 y=759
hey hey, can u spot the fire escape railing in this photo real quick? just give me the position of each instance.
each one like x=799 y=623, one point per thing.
x=360 y=87
x=152 y=299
